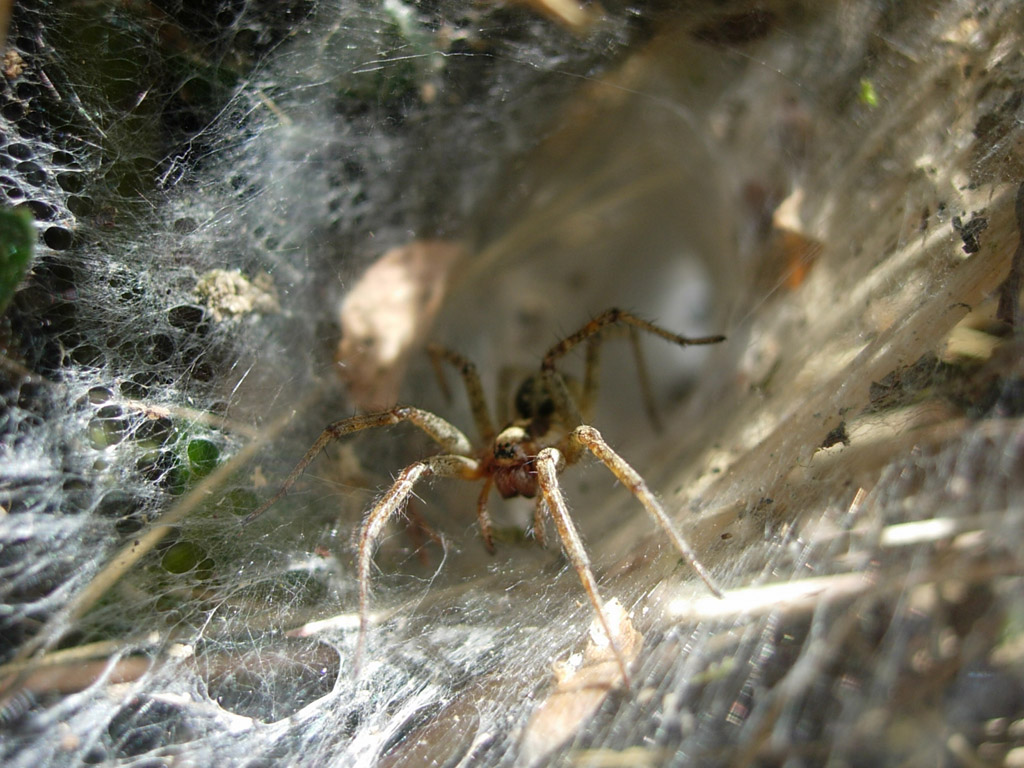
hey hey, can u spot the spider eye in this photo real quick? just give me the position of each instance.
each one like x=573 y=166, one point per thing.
x=533 y=399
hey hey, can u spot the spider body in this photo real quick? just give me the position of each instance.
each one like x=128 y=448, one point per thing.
x=548 y=433
x=508 y=464
x=508 y=461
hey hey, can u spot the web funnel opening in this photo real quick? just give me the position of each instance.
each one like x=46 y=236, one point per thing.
x=833 y=186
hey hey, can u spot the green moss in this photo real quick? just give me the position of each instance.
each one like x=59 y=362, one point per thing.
x=203 y=457
x=182 y=557
x=867 y=93
x=17 y=236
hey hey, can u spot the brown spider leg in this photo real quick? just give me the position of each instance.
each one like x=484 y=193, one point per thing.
x=549 y=462
x=436 y=358
x=650 y=407
x=591 y=382
x=440 y=431
x=419 y=532
x=612 y=317
x=444 y=465
x=591 y=368
x=591 y=439
x=483 y=518
x=467 y=370
x=540 y=509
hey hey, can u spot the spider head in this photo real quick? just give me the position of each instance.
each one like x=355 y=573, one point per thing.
x=511 y=463
x=510 y=446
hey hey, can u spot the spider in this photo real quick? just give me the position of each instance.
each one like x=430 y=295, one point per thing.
x=523 y=458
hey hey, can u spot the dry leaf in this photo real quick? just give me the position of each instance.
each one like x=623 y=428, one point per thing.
x=387 y=314
x=582 y=683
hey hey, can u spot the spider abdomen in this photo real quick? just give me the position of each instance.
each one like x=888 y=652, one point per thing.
x=515 y=480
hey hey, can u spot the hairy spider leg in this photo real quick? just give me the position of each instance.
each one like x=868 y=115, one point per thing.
x=646 y=392
x=481 y=416
x=549 y=463
x=540 y=510
x=474 y=389
x=612 y=317
x=436 y=354
x=593 y=333
x=590 y=439
x=483 y=517
x=445 y=465
x=419 y=531
x=591 y=381
x=447 y=435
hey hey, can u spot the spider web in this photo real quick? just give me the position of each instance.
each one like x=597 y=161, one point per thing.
x=832 y=185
